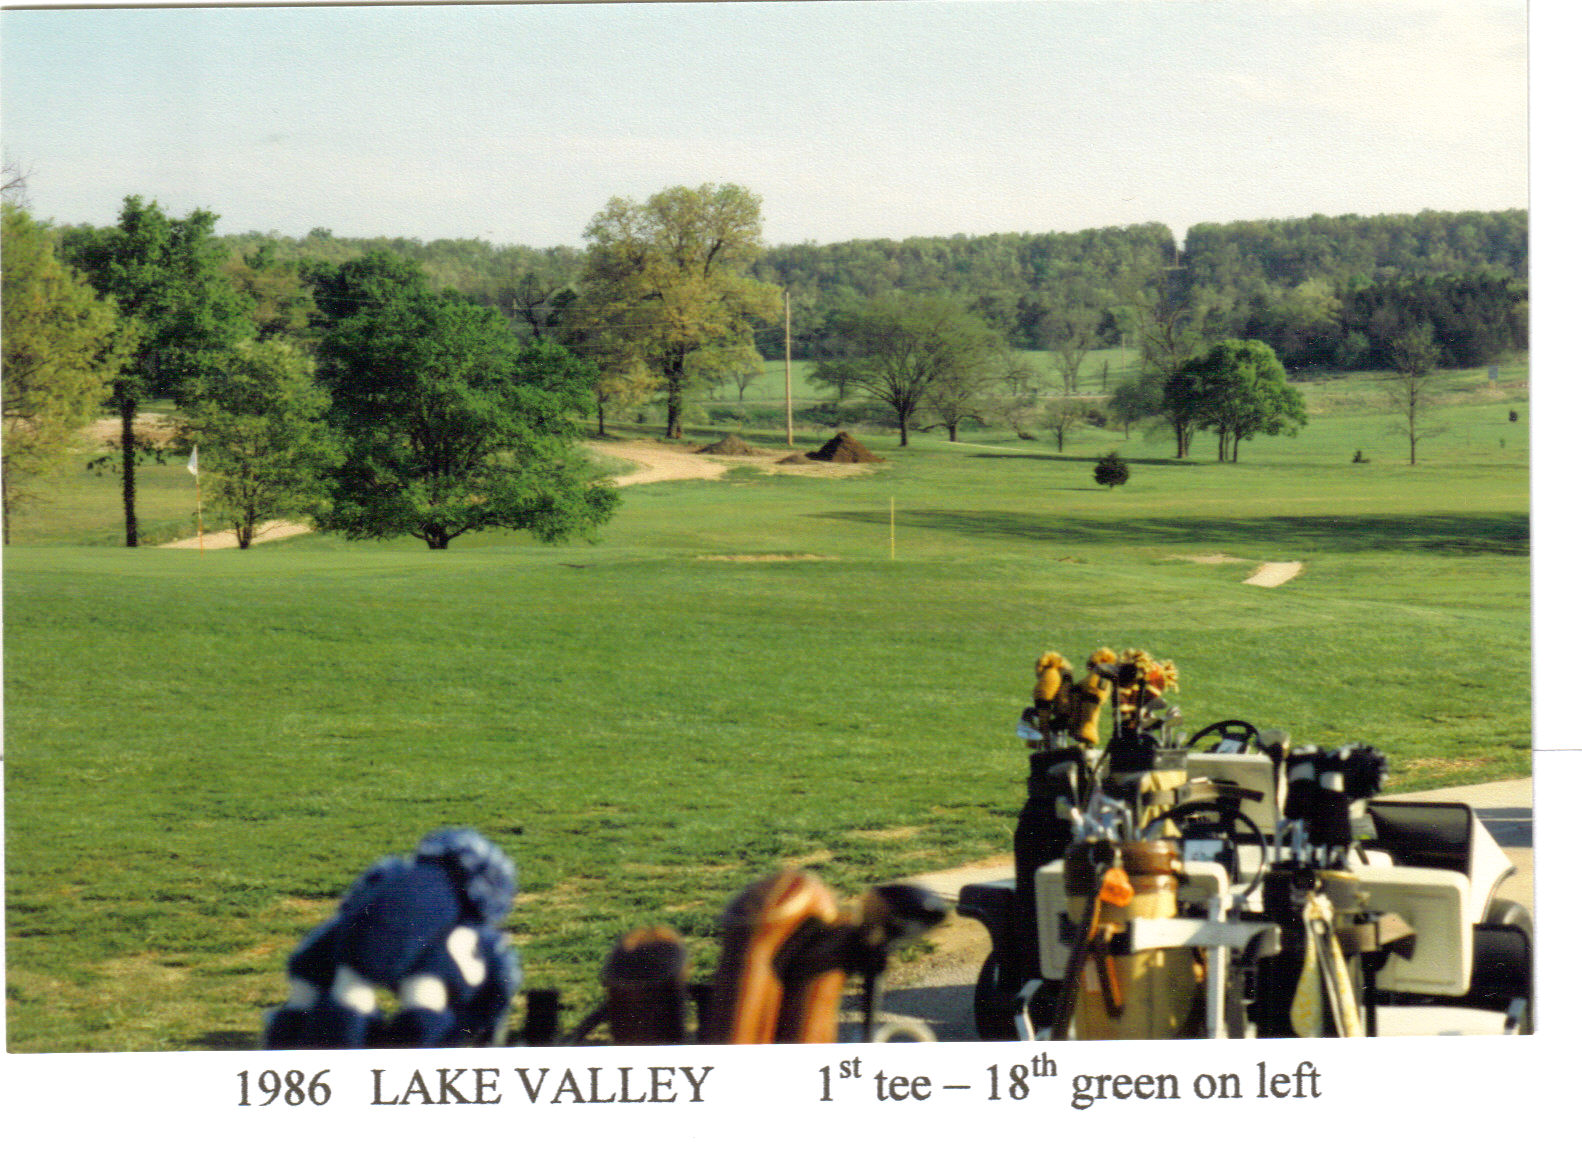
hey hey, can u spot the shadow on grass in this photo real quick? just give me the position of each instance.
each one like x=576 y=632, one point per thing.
x=226 y=1041
x=1499 y=533
x=1088 y=459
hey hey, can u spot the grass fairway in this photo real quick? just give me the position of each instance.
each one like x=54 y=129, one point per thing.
x=204 y=749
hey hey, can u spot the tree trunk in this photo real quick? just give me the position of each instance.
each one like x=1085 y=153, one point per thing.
x=673 y=414
x=129 y=468
x=600 y=407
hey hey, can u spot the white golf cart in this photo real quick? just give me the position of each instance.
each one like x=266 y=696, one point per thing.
x=1234 y=887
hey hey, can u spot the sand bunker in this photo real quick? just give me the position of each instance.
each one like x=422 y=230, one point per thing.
x=1273 y=574
x=1267 y=573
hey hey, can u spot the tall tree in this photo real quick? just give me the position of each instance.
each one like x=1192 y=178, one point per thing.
x=259 y=421
x=905 y=351
x=168 y=275
x=63 y=349
x=1070 y=330
x=1410 y=394
x=1244 y=393
x=664 y=283
x=450 y=426
x=1183 y=397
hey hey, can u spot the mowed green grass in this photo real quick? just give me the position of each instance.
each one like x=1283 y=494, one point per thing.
x=203 y=750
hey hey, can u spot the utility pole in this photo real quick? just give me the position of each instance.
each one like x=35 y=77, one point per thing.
x=790 y=441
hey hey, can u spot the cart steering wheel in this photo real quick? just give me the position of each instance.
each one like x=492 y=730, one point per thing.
x=1219 y=818
x=1237 y=731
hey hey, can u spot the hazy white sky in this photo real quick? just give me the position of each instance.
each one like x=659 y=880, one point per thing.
x=517 y=123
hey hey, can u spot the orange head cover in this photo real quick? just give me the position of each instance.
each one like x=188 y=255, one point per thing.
x=765 y=990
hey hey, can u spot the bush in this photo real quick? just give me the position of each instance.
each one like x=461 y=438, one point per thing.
x=1111 y=470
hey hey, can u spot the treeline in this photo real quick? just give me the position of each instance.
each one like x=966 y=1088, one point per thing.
x=396 y=386
x=1322 y=292
x=1016 y=283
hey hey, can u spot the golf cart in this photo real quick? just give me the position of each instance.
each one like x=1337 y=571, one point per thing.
x=1228 y=885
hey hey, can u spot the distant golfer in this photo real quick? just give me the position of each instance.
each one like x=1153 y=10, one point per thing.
x=423 y=928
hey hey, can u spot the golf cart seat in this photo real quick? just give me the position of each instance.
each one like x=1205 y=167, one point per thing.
x=1441 y=835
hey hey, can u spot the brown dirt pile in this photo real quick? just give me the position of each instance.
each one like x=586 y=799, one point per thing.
x=845 y=449
x=732 y=446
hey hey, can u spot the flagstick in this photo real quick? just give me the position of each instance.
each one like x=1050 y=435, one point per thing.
x=197 y=483
x=892 y=529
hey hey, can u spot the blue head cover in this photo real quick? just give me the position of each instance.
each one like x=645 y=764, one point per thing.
x=482 y=873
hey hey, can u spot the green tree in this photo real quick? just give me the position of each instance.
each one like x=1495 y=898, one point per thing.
x=1070 y=330
x=450 y=426
x=278 y=301
x=1410 y=394
x=907 y=351
x=362 y=283
x=1015 y=406
x=1183 y=400
x=1063 y=416
x=168 y=275
x=63 y=349
x=750 y=367
x=664 y=285
x=1137 y=398
x=1243 y=392
x=266 y=446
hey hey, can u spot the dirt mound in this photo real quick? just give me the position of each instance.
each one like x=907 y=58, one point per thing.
x=731 y=446
x=795 y=459
x=845 y=449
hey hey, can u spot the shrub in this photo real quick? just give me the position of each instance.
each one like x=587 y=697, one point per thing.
x=1111 y=470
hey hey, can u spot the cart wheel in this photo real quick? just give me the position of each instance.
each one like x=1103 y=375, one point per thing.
x=1502 y=962
x=993 y=1003
x=1505 y=912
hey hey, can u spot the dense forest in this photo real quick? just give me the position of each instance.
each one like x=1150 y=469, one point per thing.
x=1323 y=292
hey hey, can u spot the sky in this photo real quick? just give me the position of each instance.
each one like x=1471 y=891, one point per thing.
x=517 y=124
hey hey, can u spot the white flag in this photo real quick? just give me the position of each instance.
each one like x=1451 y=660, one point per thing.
x=192 y=461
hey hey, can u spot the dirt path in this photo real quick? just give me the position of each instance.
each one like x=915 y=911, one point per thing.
x=663 y=462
